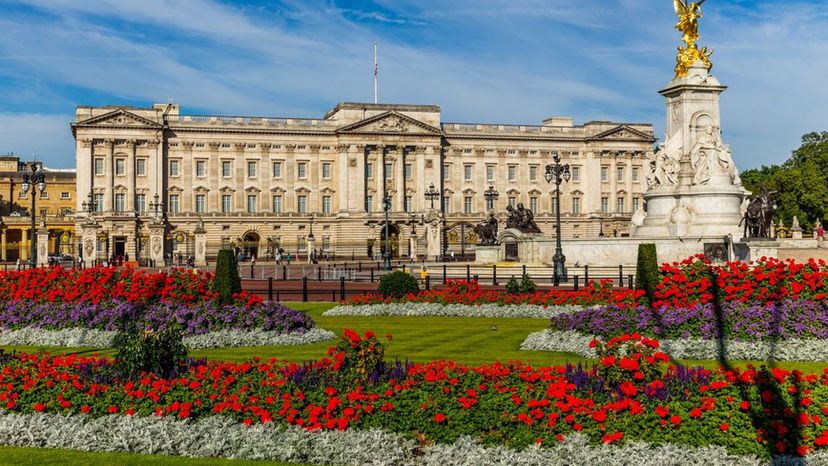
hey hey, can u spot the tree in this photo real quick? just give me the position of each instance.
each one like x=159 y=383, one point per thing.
x=801 y=182
x=227 y=281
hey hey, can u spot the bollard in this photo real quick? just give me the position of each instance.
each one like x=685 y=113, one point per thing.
x=251 y=269
x=494 y=274
x=576 y=282
x=631 y=281
x=333 y=296
x=621 y=275
x=468 y=273
x=444 y=274
x=305 y=289
x=428 y=283
x=352 y=255
x=278 y=297
x=342 y=288
x=319 y=274
x=284 y=272
x=476 y=278
x=524 y=270
x=557 y=279
x=270 y=288
x=586 y=275
x=372 y=275
x=359 y=265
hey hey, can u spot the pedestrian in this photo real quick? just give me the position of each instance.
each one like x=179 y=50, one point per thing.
x=288 y=258
x=126 y=257
x=451 y=255
x=17 y=264
x=278 y=258
x=820 y=233
x=423 y=274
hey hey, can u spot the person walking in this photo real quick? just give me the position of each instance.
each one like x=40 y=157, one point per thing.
x=423 y=274
x=820 y=234
x=288 y=258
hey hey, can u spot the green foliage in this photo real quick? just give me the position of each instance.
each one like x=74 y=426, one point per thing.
x=512 y=286
x=398 y=284
x=647 y=274
x=801 y=182
x=159 y=352
x=227 y=281
x=527 y=285
x=357 y=358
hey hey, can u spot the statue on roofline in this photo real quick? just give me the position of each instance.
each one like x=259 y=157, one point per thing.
x=689 y=13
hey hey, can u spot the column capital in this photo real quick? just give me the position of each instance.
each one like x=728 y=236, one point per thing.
x=265 y=146
x=86 y=143
x=153 y=143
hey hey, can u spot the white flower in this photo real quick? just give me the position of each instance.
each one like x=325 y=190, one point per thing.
x=454 y=310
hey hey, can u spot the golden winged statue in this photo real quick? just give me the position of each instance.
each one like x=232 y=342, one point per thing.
x=689 y=13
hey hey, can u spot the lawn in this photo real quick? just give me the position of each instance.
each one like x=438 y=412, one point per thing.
x=16 y=455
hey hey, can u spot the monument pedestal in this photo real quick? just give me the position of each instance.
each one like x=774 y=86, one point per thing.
x=200 y=245
x=89 y=239
x=488 y=254
x=156 y=253
x=42 y=247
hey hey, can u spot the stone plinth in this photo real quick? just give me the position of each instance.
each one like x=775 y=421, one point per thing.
x=156 y=249
x=761 y=247
x=487 y=254
x=200 y=246
x=89 y=241
x=42 y=247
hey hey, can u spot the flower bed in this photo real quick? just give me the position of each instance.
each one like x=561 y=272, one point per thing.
x=454 y=310
x=690 y=348
x=101 y=284
x=787 y=319
x=629 y=396
x=470 y=293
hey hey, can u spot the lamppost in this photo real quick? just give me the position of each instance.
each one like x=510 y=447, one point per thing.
x=601 y=225
x=491 y=196
x=386 y=206
x=157 y=206
x=432 y=194
x=558 y=173
x=89 y=205
x=31 y=180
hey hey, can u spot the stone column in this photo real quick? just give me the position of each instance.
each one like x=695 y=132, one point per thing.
x=289 y=175
x=400 y=182
x=109 y=172
x=200 y=245
x=156 y=243
x=130 y=174
x=24 y=245
x=311 y=242
x=381 y=186
x=42 y=247
x=3 y=253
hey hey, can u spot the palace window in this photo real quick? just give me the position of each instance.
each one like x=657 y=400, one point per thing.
x=302 y=170
x=277 y=169
x=174 y=164
x=490 y=173
x=533 y=173
x=226 y=168
x=407 y=171
x=467 y=205
x=140 y=167
x=99 y=202
x=301 y=244
x=409 y=202
x=326 y=171
x=554 y=204
x=445 y=171
x=533 y=204
x=302 y=204
x=576 y=173
x=44 y=195
x=120 y=167
x=326 y=243
x=620 y=205
x=604 y=174
x=389 y=167
x=251 y=203
x=619 y=173
x=200 y=201
x=369 y=170
x=251 y=169
x=446 y=204
x=173 y=203
x=576 y=205
x=369 y=203
x=226 y=203
x=277 y=204
x=64 y=195
x=140 y=202
x=636 y=204
x=512 y=172
x=467 y=172
x=512 y=201
x=201 y=168
x=99 y=166
x=604 y=205
x=120 y=202
x=326 y=204
x=635 y=174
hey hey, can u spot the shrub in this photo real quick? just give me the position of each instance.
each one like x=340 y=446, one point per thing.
x=356 y=359
x=160 y=352
x=647 y=274
x=397 y=284
x=512 y=286
x=227 y=281
x=527 y=285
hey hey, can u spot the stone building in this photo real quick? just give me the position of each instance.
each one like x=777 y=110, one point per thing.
x=261 y=183
x=55 y=206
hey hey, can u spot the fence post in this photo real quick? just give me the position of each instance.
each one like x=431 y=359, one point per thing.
x=319 y=274
x=468 y=273
x=524 y=270
x=372 y=275
x=270 y=288
x=428 y=283
x=631 y=281
x=359 y=264
x=278 y=297
x=576 y=282
x=621 y=275
x=251 y=268
x=444 y=274
x=494 y=274
x=284 y=272
x=555 y=278
x=476 y=278
x=305 y=289
x=342 y=288
x=333 y=296
x=586 y=275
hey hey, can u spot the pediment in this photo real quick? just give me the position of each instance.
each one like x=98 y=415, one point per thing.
x=391 y=122
x=119 y=118
x=623 y=132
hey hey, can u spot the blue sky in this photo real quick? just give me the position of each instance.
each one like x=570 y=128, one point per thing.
x=512 y=61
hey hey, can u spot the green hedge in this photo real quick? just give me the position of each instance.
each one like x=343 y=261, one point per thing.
x=227 y=281
x=647 y=274
x=397 y=284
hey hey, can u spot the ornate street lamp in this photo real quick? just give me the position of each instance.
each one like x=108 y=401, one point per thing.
x=432 y=194
x=386 y=206
x=491 y=196
x=156 y=206
x=89 y=205
x=558 y=173
x=36 y=180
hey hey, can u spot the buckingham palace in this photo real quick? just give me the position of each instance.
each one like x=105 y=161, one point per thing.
x=264 y=183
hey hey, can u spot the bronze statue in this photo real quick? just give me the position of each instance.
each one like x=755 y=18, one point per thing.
x=522 y=219
x=487 y=231
x=759 y=215
x=689 y=13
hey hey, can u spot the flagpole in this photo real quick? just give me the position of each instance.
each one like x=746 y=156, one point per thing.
x=376 y=76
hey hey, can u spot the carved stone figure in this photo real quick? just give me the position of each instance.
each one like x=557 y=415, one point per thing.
x=664 y=166
x=88 y=248
x=487 y=231
x=711 y=157
x=688 y=14
x=522 y=219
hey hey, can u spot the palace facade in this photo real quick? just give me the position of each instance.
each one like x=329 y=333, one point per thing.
x=263 y=183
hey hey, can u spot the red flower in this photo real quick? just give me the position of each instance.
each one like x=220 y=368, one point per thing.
x=439 y=418
x=39 y=407
x=695 y=413
x=676 y=420
x=724 y=426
